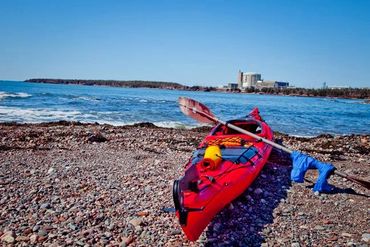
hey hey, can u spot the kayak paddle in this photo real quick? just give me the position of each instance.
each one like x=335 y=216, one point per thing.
x=201 y=113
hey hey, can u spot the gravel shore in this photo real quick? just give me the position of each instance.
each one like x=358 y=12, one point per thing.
x=99 y=185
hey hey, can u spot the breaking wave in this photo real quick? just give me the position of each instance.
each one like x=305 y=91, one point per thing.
x=4 y=95
x=174 y=124
x=35 y=115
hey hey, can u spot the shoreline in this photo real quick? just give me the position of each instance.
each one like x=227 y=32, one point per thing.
x=86 y=184
x=204 y=128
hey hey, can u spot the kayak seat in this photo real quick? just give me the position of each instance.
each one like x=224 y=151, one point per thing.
x=253 y=128
x=234 y=154
x=239 y=155
x=250 y=125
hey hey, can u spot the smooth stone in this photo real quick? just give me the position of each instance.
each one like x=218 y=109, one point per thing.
x=33 y=238
x=8 y=237
x=136 y=222
x=346 y=234
x=36 y=228
x=319 y=228
x=365 y=237
x=79 y=243
x=175 y=232
x=258 y=191
x=45 y=205
x=217 y=227
x=42 y=232
x=72 y=226
x=51 y=171
x=22 y=238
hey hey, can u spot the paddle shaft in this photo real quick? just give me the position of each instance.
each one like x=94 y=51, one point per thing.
x=278 y=146
x=231 y=126
x=258 y=138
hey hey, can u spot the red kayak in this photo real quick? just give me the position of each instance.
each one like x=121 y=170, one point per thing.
x=222 y=167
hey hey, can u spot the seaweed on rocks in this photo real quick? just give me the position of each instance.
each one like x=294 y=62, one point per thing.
x=145 y=124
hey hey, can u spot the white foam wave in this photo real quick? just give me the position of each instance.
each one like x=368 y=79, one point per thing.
x=88 y=98
x=39 y=115
x=174 y=124
x=35 y=115
x=4 y=95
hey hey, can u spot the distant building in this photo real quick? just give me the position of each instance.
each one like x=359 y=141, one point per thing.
x=240 y=79
x=272 y=84
x=232 y=86
x=265 y=84
x=281 y=84
x=254 y=80
x=247 y=79
x=250 y=79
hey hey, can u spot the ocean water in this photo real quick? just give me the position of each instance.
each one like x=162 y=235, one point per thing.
x=34 y=103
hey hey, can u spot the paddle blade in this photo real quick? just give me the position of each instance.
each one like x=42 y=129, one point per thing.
x=196 y=110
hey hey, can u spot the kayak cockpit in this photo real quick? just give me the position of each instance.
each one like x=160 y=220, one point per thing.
x=237 y=154
x=250 y=125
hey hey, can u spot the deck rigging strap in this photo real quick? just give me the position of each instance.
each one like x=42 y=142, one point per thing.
x=228 y=141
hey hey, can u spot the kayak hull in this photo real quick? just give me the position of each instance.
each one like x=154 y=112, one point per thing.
x=201 y=193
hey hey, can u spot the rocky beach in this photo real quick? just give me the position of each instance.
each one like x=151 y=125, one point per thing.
x=76 y=184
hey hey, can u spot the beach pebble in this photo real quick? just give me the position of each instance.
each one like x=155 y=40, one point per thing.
x=346 y=234
x=36 y=228
x=33 y=238
x=365 y=237
x=22 y=238
x=258 y=191
x=136 y=222
x=8 y=237
x=51 y=171
x=45 y=205
x=217 y=227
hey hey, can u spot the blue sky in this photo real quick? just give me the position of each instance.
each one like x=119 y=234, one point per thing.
x=196 y=42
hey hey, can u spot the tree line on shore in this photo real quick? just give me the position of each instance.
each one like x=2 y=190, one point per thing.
x=111 y=83
x=359 y=93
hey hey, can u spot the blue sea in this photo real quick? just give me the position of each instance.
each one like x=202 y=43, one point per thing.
x=301 y=116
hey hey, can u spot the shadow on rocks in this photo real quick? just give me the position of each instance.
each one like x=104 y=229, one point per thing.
x=243 y=222
x=337 y=190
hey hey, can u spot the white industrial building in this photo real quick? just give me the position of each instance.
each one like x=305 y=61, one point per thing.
x=248 y=79
x=254 y=80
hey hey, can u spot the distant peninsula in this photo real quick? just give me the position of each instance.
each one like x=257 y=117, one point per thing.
x=112 y=83
x=126 y=83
